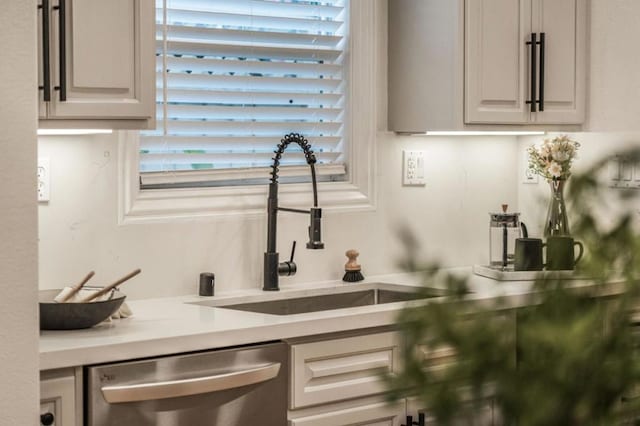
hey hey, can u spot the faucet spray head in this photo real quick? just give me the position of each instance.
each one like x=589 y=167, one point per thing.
x=315 y=238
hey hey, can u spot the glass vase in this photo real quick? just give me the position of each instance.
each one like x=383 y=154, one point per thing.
x=557 y=222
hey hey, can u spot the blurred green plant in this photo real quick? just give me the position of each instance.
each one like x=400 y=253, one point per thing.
x=564 y=354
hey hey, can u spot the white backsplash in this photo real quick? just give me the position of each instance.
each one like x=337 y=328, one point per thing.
x=465 y=179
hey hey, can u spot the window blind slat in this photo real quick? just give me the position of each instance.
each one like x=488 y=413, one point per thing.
x=244 y=67
x=204 y=48
x=234 y=77
x=213 y=112
x=248 y=128
x=231 y=97
x=247 y=37
x=239 y=20
x=260 y=158
x=257 y=84
x=229 y=143
x=318 y=10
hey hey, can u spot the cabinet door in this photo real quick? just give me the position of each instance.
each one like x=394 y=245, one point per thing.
x=57 y=400
x=110 y=51
x=496 y=57
x=378 y=414
x=564 y=24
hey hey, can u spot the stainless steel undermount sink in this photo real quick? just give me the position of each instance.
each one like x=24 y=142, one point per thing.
x=305 y=301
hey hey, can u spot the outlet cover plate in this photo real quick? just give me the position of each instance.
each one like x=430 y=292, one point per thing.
x=413 y=168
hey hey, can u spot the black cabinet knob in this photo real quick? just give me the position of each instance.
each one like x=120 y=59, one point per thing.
x=47 y=419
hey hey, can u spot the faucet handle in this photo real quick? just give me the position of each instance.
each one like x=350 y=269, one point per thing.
x=288 y=267
x=315 y=240
x=293 y=251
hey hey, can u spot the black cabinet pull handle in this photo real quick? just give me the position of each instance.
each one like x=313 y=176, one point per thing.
x=421 y=420
x=533 y=67
x=62 y=47
x=541 y=93
x=46 y=60
x=47 y=419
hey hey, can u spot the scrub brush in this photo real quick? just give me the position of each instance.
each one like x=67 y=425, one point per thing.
x=352 y=268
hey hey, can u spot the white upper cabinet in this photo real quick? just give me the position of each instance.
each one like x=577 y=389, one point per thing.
x=470 y=65
x=101 y=63
x=525 y=61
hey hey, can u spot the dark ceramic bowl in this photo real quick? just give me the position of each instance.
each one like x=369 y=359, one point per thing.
x=72 y=316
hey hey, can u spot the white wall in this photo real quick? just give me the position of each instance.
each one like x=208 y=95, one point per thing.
x=18 y=246
x=466 y=178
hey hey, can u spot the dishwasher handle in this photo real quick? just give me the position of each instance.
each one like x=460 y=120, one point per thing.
x=186 y=387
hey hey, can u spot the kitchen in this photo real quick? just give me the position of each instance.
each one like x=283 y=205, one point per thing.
x=79 y=230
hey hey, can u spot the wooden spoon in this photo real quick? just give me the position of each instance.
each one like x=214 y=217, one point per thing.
x=108 y=288
x=78 y=286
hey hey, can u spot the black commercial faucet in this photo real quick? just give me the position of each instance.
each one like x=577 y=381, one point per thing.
x=273 y=268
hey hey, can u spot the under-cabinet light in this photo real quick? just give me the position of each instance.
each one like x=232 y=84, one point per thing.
x=482 y=133
x=72 y=132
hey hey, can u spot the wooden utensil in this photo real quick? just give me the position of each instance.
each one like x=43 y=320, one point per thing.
x=78 y=286
x=108 y=288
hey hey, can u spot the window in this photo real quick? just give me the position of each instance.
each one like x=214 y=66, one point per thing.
x=233 y=78
x=366 y=75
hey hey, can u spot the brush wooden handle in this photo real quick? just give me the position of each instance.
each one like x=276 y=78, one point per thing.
x=352 y=263
x=111 y=286
x=78 y=286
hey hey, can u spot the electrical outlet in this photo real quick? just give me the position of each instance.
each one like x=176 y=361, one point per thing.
x=413 y=170
x=44 y=179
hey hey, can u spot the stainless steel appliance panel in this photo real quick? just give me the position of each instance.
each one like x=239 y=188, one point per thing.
x=238 y=386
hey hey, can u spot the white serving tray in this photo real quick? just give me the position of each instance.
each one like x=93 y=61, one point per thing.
x=496 y=274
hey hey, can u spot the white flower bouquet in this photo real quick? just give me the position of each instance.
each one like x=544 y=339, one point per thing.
x=552 y=160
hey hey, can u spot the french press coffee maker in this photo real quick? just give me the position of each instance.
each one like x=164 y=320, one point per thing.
x=504 y=229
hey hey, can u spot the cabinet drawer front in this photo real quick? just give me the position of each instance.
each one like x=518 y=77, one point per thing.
x=378 y=414
x=335 y=370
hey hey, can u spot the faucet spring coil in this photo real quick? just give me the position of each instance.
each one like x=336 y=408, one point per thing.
x=309 y=155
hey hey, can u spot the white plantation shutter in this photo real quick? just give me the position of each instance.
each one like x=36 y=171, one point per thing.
x=235 y=76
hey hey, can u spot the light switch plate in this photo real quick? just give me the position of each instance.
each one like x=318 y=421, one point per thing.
x=413 y=168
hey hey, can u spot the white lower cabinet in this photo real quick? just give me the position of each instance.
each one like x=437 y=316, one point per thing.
x=58 y=392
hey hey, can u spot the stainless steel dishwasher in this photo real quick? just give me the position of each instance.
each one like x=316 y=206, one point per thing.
x=229 y=387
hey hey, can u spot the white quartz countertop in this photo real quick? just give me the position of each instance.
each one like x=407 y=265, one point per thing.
x=173 y=325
